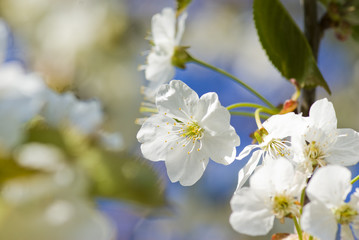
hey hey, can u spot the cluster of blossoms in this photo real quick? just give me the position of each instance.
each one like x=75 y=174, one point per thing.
x=25 y=96
x=296 y=149
x=295 y=157
x=38 y=176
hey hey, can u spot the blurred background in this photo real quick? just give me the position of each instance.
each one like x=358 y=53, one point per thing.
x=95 y=47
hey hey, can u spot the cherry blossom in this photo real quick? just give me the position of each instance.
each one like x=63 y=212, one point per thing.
x=322 y=142
x=167 y=32
x=187 y=131
x=327 y=191
x=276 y=136
x=274 y=192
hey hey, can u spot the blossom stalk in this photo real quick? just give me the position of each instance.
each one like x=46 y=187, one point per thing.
x=247 y=87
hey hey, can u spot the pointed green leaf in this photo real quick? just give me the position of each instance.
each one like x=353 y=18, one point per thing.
x=285 y=44
x=355 y=33
x=182 y=5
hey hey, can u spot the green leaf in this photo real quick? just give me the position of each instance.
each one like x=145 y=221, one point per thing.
x=285 y=44
x=122 y=176
x=355 y=33
x=182 y=5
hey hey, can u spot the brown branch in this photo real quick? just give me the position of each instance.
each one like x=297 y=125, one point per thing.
x=313 y=34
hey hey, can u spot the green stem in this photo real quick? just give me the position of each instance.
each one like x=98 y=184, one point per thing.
x=253 y=105
x=354 y=179
x=257 y=117
x=204 y=64
x=248 y=114
x=302 y=199
x=299 y=230
x=146 y=109
x=310 y=237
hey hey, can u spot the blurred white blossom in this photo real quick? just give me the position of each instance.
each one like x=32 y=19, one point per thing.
x=3 y=41
x=111 y=141
x=42 y=157
x=63 y=110
x=21 y=98
x=52 y=204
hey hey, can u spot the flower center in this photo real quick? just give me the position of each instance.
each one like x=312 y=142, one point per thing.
x=277 y=148
x=345 y=214
x=185 y=134
x=314 y=153
x=192 y=131
x=284 y=205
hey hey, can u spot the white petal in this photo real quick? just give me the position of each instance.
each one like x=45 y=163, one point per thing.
x=277 y=176
x=164 y=26
x=330 y=185
x=284 y=125
x=249 y=213
x=346 y=232
x=211 y=114
x=322 y=115
x=246 y=151
x=153 y=135
x=180 y=27
x=221 y=147
x=298 y=183
x=176 y=99
x=354 y=199
x=345 y=150
x=194 y=168
x=159 y=68
x=175 y=164
x=355 y=228
x=319 y=221
x=183 y=167
x=248 y=169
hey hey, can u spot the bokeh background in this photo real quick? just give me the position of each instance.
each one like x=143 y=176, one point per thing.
x=95 y=47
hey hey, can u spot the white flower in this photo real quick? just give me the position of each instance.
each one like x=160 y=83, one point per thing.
x=279 y=132
x=21 y=98
x=323 y=143
x=187 y=131
x=166 y=34
x=327 y=191
x=66 y=110
x=274 y=192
